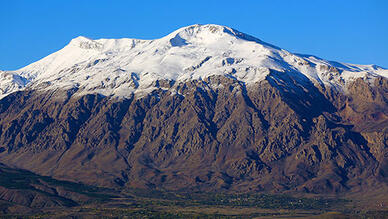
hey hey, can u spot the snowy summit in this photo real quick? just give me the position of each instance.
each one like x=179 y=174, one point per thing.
x=121 y=67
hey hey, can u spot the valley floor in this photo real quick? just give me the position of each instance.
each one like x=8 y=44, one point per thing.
x=82 y=201
x=157 y=208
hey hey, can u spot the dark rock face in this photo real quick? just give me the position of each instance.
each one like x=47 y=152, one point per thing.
x=282 y=134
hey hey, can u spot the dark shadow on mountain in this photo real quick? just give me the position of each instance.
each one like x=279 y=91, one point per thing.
x=10 y=99
x=300 y=94
x=178 y=41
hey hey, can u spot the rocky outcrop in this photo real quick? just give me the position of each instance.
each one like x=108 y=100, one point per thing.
x=280 y=134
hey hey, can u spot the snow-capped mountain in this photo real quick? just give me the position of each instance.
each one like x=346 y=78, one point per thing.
x=121 y=67
x=208 y=108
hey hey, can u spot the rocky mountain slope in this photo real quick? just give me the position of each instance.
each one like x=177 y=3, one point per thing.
x=204 y=108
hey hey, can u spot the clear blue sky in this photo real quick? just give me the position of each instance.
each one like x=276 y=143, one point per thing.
x=342 y=30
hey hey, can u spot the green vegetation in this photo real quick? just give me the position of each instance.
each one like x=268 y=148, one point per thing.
x=240 y=200
x=78 y=200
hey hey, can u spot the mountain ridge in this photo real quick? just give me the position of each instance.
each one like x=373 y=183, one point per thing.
x=124 y=66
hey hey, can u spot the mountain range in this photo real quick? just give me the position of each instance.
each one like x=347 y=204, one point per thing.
x=205 y=108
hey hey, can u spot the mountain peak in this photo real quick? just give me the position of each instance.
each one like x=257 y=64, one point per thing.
x=80 y=39
x=109 y=66
x=211 y=31
x=85 y=43
x=212 y=28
